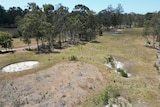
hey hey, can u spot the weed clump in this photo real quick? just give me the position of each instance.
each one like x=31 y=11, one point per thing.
x=73 y=58
x=122 y=72
x=110 y=60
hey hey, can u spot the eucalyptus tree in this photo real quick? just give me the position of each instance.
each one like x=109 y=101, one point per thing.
x=47 y=31
x=48 y=10
x=129 y=19
x=111 y=16
x=30 y=24
x=59 y=20
x=118 y=15
x=140 y=20
x=105 y=17
x=81 y=9
x=152 y=28
x=84 y=15
x=91 y=25
x=47 y=26
x=74 y=26
x=28 y=27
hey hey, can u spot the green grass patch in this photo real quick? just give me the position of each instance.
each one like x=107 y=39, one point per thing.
x=101 y=98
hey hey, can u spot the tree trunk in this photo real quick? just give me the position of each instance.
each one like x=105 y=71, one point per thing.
x=29 y=46
x=37 y=44
x=60 y=42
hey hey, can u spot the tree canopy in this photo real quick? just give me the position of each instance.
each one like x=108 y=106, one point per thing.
x=152 y=28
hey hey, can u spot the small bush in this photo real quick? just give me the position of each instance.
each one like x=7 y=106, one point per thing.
x=73 y=58
x=105 y=98
x=122 y=72
x=109 y=59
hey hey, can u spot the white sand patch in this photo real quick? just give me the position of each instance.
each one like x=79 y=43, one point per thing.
x=113 y=105
x=117 y=65
x=21 y=66
x=118 y=102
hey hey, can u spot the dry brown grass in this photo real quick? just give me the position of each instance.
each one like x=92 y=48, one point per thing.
x=18 y=43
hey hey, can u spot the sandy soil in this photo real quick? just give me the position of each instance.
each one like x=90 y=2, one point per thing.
x=21 y=66
x=64 y=85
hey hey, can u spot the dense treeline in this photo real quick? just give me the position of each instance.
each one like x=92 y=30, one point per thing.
x=52 y=26
x=8 y=17
x=152 y=29
x=107 y=17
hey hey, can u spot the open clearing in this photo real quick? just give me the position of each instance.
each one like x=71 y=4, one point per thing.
x=52 y=83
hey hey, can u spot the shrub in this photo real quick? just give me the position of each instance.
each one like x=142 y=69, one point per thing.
x=73 y=58
x=6 y=40
x=105 y=98
x=110 y=59
x=122 y=72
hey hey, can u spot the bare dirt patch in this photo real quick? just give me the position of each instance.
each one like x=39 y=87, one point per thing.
x=64 y=85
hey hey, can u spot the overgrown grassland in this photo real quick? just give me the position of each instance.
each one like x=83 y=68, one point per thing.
x=143 y=86
x=127 y=47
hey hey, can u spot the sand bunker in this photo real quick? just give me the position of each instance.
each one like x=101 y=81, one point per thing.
x=21 y=66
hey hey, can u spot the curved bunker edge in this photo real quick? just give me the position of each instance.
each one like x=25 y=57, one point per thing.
x=20 y=66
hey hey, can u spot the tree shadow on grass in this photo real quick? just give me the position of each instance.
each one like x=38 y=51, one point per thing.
x=95 y=41
x=7 y=51
x=43 y=51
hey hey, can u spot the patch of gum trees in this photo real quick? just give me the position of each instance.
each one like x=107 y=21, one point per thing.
x=47 y=24
x=51 y=26
x=152 y=29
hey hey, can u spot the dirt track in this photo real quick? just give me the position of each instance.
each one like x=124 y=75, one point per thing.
x=63 y=85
